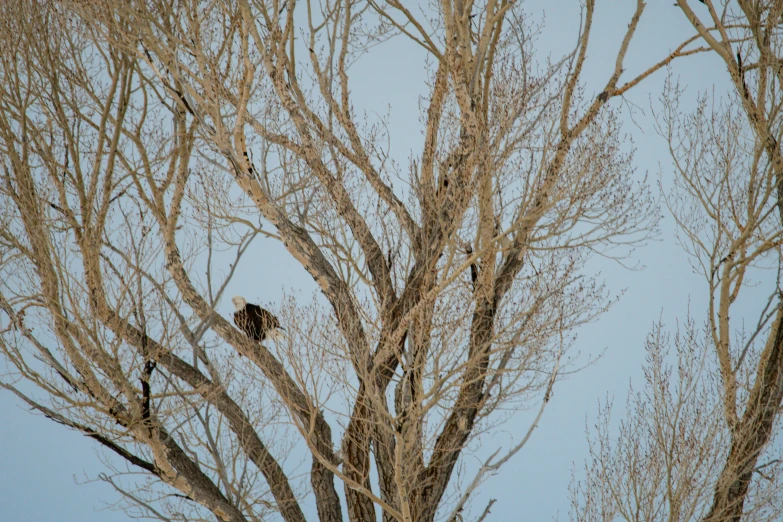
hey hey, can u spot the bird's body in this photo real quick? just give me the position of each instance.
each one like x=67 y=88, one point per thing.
x=257 y=323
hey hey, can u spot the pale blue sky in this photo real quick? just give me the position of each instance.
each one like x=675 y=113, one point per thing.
x=41 y=462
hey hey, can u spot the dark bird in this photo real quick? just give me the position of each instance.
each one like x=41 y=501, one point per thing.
x=473 y=267
x=257 y=323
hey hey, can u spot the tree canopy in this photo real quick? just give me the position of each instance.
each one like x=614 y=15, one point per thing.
x=147 y=144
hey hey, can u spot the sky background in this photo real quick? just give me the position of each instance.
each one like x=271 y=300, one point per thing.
x=47 y=472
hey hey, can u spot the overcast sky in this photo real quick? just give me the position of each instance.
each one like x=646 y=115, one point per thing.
x=44 y=468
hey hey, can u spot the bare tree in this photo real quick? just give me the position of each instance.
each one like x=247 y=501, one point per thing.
x=673 y=439
x=728 y=205
x=142 y=141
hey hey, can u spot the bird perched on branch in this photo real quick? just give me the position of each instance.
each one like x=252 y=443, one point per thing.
x=257 y=323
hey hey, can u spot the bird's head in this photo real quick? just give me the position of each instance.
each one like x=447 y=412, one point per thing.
x=239 y=302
